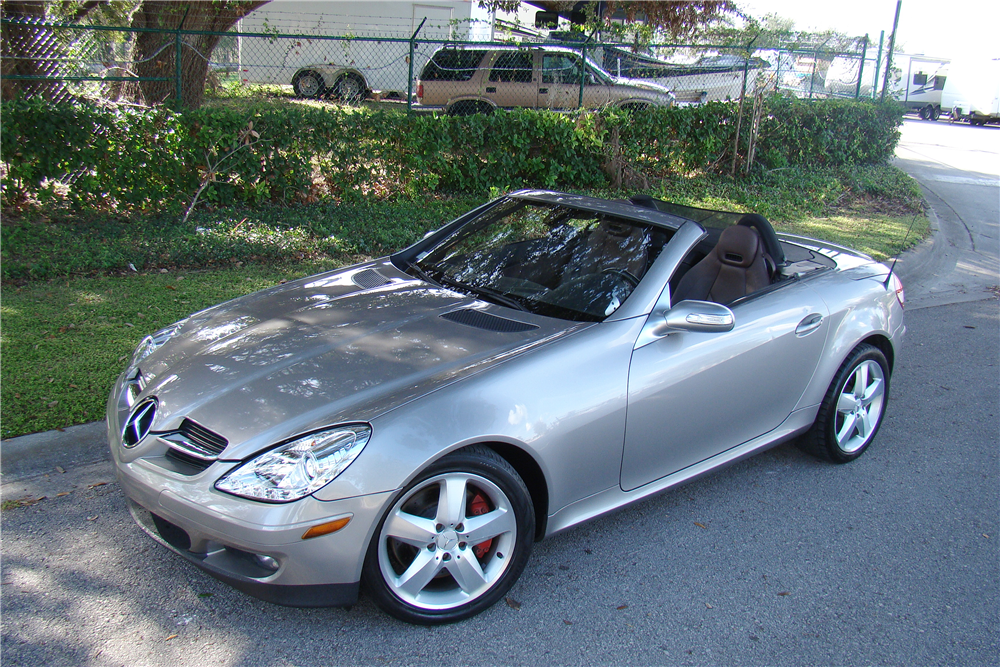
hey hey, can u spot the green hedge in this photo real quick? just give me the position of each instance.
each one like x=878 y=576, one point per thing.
x=155 y=159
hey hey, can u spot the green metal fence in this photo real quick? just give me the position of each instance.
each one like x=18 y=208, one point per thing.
x=154 y=66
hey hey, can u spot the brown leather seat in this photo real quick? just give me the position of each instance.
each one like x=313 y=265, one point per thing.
x=736 y=267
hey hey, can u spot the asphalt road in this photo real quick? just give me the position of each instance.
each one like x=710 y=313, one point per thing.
x=781 y=559
x=958 y=167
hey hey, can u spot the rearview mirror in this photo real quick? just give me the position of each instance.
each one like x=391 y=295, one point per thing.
x=703 y=316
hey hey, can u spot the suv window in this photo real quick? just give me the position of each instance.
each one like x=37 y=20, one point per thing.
x=560 y=68
x=453 y=65
x=512 y=67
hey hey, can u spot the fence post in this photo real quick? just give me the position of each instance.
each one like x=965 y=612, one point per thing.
x=861 y=67
x=177 y=57
x=878 y=65
x=583 y=74
x=892 y=43
x=409 y=83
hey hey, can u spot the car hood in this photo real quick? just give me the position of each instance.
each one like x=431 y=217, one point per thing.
x=325 y=350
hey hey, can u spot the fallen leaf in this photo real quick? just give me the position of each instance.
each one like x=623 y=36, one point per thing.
x=784 y=593
x=74 y=386
x=53 y=404
x=620 y=607
x=92 y=518
x=567 y=622
x=709 y=606
x=967 y=326
x=163 y=271
x=171 y=287
x=64 y=493
x=513 y=604
x=132 y=266
x=96 y=484
x=700 y=525
x=128 y=324
x=205 y=595
x=60 y=469
x=170 y=637
x=180 y=278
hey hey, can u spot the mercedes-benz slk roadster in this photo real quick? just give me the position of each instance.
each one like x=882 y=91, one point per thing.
x=415 y=423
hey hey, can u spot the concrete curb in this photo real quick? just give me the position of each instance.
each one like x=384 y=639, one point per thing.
x=39 y=453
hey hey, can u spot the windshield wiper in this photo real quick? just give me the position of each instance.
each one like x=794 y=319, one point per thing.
x=485 y=292
x=423 y=275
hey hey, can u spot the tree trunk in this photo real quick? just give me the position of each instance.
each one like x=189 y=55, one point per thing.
x=155 y=53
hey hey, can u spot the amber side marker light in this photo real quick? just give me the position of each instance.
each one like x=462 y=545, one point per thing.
x=327 y=528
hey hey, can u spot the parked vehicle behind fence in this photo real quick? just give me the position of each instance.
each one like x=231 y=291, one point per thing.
x=464 y=81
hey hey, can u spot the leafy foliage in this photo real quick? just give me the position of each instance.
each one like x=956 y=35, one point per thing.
x=124 y=159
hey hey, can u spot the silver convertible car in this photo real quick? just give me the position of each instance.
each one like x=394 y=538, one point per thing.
x=418 y=421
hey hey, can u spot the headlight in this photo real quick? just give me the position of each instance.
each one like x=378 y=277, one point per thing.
x=298 y=468
x=149 y=344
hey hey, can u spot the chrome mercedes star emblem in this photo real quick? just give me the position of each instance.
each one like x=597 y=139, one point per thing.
x=139 y=423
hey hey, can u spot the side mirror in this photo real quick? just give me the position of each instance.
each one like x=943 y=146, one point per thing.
x=703 y=316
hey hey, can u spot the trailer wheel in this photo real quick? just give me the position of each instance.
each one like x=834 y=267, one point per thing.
x=935 y=113
x=923 y=113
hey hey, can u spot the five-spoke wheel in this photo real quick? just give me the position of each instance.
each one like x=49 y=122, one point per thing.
x=852 y=410
x=454 y=541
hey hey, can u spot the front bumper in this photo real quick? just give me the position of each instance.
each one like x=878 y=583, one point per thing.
x=255 y=547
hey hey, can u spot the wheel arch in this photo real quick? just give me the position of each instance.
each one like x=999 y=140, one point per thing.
x=884 y=345
x=527 y=468
x=488 y=106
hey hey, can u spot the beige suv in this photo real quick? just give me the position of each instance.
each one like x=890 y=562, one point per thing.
x=468 y=80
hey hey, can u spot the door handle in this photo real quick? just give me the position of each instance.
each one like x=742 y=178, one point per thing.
x=809 y=324
x=543 y=91
x=491 y=89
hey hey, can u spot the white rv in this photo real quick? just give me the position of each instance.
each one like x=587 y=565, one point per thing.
x=916 y=81
x=371 y=53
x=925 y=80
x=972 y=91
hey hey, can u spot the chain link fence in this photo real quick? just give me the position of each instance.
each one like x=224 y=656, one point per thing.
x=453 y=66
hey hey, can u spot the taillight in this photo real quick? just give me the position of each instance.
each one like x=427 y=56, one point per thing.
x=420 y=91
x=897 y=287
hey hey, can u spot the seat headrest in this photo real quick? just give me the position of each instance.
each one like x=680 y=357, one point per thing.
x=738 y=246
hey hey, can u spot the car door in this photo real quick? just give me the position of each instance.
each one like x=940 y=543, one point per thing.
x=511 y=80
x=693 y=395
x=560 y=83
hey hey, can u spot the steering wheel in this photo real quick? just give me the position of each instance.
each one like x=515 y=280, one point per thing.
x=623 y=274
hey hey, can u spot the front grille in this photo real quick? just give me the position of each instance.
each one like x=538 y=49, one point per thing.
x=194 y=445
x=213 y=442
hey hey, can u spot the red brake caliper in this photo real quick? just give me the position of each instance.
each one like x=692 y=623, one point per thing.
x=476 y=507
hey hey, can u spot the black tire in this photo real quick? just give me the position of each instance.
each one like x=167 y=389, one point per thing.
x=923 y=113
x=308 y=84
x=851 y=414
x=486 y=486
x=935 y=113
x=350 y=88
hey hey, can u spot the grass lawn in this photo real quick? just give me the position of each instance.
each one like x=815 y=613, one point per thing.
x=72 y=310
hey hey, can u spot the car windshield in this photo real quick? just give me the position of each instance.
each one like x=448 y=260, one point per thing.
x=547 y=259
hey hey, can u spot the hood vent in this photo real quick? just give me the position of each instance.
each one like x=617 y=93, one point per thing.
x=370 y=279
x=487 y=322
